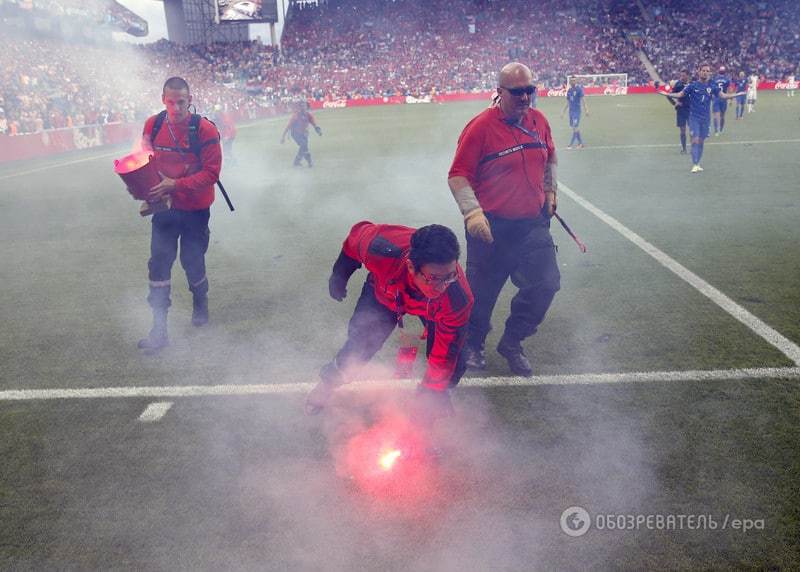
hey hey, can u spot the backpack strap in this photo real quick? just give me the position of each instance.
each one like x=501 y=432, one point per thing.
x=194 y=134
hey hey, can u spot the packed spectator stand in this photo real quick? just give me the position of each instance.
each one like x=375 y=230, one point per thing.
x=346 y=49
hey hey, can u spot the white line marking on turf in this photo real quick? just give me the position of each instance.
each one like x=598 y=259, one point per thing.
x=290 y=388
x=673 y=145
x=783 y=344
x=155 y=411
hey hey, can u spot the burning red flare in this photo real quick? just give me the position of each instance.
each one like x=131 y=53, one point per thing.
x=388 y=461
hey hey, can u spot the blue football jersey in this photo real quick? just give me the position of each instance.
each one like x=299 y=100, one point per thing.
x=574 y=96
x=722 y=83
x=699 y=95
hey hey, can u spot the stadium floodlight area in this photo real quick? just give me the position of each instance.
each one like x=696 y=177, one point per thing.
x=611 y=83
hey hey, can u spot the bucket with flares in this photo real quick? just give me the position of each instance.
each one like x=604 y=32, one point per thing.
x=138 y=171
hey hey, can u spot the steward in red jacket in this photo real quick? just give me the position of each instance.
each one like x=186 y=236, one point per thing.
x=188 y=155
x=410 y=272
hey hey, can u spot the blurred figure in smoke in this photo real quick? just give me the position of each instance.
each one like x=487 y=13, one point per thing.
x=503 y=178
x=227 y=131
x=298 y=127
x=410 y=272
x=188 y=155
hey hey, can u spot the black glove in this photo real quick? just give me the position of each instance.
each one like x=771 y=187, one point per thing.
x=318 y=129
x=337 y=287
x=343 y=268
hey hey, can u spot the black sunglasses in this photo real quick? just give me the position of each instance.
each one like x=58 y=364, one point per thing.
x=519 y=91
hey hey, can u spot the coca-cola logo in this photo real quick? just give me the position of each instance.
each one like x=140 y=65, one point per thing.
x=611 y=90
x=556 y=92
x=785 y=85
x=334 y=104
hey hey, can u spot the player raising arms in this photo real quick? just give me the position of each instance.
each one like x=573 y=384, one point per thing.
x=699 y=94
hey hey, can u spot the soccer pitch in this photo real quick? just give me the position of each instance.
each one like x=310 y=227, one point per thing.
x=667 y=368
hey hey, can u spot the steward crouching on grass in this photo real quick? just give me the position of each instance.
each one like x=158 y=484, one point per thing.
x=410 y=272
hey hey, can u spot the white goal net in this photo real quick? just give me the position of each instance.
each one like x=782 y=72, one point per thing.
x=602 y=84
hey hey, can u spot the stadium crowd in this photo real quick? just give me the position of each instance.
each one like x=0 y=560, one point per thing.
x=761 y=37
x=344 y=49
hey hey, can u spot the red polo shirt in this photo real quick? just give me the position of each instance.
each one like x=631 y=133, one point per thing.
x=505 y=164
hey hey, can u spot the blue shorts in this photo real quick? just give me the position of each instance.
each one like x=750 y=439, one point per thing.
x=682 y=118
x=720 y=105
x=574 y=118
x=699 y=127
x=740 y=99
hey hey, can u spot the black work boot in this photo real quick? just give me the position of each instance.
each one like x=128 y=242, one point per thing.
x=157 y=338
x=517 y=362
x=474 y=356
x=199 y=303
x=199 y=310
x=317 y=398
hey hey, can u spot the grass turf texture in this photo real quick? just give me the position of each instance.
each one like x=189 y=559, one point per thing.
x=78 y=474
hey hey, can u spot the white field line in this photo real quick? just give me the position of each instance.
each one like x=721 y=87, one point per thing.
x=783 y=344
x=673 y=145
x=295 y=388
x=155 y=411
x=111 y=154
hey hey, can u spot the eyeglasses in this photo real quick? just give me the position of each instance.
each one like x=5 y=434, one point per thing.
x=439 y=280
x=519 y=91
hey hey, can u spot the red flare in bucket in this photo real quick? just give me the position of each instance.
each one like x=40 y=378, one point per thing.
x=139 y=172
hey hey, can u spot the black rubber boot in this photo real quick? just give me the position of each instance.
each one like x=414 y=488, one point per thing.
x=160 y=302
x=517 y=362
x=157 y=338
x=199 y=310
x=474 y=356
x=317 y=398
x=199 y=303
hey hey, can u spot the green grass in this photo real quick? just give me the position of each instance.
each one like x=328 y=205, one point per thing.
x=248 y=483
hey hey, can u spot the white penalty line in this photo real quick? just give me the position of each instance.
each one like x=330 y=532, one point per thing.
x=760 y=328
x=673 y=145
x=294 y=388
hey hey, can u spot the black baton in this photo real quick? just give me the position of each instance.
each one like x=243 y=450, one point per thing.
x=224 y=194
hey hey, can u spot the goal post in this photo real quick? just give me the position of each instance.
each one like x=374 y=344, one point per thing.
x=602 y=84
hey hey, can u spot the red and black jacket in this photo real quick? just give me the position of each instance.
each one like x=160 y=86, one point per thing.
x=384 y=250
x=195 y=170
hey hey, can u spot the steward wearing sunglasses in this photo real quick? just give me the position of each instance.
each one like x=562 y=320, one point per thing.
x=503 y=178
x=410 y=272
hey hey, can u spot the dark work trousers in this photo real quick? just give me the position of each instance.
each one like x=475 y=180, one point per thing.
x=524 y=251
x=370 y=326
x=301 y=138
x=170 y=227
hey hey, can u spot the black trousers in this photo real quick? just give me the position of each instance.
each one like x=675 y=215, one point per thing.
x=169 y=229
x=302 y=141
x=523 y=250
x=370 y=326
